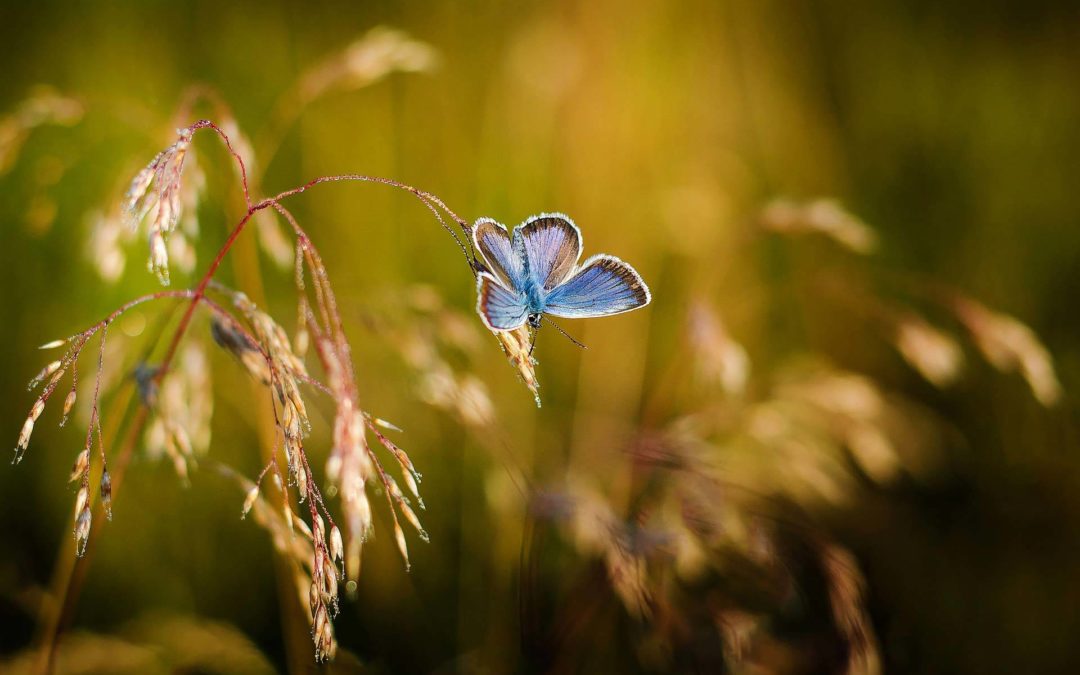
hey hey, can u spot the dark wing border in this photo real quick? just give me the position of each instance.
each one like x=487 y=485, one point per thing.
x=512 y=269
x=626 y=272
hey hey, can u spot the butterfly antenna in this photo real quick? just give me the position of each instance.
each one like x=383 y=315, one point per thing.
x=565 y=334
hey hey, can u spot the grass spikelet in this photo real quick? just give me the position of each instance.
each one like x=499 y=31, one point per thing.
x=1011 y=346
x=935 y=355
x=517 y=345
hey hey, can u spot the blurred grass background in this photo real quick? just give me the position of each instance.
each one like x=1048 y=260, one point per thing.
x=662 y=129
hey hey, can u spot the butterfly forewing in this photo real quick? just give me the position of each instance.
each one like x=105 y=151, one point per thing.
x=493 y=242
x=603 y=286
x=500 y=307
x=550 y=245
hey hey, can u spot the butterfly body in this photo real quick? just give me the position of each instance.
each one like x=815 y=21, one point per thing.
x=535 y=271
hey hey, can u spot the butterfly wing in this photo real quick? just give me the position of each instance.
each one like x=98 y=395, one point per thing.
x=499 y=307
x=550 y=245
x=493 y=242
x=603 y=286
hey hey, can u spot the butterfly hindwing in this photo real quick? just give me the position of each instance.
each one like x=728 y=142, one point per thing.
x=550 y=246
x=498 y=306
x=493 y=242
x=604 y=285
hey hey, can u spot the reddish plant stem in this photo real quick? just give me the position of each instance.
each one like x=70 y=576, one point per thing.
x=426 y=198
x=207 y=124
x=420 y=194
x=200 y=292
x=71 y=582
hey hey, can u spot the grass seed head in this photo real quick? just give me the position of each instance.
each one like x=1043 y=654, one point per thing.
x=517 y=345
x=935 y=355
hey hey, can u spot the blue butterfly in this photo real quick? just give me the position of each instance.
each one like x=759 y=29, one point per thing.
x=536 y=272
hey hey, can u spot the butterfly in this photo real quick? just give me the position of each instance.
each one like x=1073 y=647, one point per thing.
x=535 y=271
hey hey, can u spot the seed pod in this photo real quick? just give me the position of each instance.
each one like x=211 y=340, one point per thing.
x=314 y=597
x=45 y=372
x=69 y=403
x=336 y=549
x=249 y=500
x=159 y=257
x=333 y=468
x=400 y=536
x=301 y=481
x=82 y=530
x=330 y=580
x=380 y=422
x=81 y=499
x=106 y=493
x=24 y=436
x=82 y=462
x=319 y=621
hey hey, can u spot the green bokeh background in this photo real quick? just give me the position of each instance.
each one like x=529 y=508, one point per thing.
x=661 y=128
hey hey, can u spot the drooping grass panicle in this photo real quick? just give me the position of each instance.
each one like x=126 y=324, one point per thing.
x=366 y=60
x=718 y=358
x=1010 y=346
x=933 y=351
x=820 y=216
x=175 y=386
